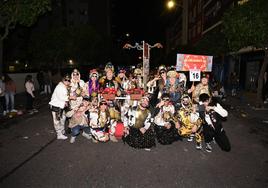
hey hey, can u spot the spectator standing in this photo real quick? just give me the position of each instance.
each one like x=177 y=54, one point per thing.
x=10 y=91
x=234 y=83
x=29 y=86
x=2 y=95
x=40 y=79
x=47 y=82
x=265 y=88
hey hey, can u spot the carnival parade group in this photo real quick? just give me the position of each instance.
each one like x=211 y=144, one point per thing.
x=113 y=105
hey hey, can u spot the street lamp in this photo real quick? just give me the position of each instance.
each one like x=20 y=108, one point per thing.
x=145 y=47
x=170 y=4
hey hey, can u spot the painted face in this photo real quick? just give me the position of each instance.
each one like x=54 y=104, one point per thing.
x=166 y=100
x=109 y=74
x=185 y=101
x=94 y=77
x=204 y=81
x=121 y=75
x=85 y=103
x=144 y=103
x=103 y=106
x=206 y=102
x=163 y=73
x=66 y=82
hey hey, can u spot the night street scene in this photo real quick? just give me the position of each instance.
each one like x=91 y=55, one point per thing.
x=134 y=93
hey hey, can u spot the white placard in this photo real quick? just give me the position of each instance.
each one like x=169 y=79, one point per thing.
x=194 y=75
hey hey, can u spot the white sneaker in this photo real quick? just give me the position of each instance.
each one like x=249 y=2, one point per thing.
x=13 y=110
x=62 y=137
x=208 y=147
x=147 y=149
x=190 y=138
x=35 y=110
x=72 y=140
x=113 y=138
x=4 y=113
x=87 y=136
x=198 y=146
x=30 y=112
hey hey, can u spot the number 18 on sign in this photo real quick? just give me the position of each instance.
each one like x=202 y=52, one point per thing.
x=194 y=75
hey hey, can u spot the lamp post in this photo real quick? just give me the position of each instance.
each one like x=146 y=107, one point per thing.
x=145 y=47
x=170 y=4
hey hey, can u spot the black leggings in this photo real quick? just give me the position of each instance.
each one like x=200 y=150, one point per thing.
x=29 y=101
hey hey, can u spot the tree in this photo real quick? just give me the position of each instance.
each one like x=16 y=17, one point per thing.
x=24 y=12
x=212 y=43
x=81 y=43
x=246 y=25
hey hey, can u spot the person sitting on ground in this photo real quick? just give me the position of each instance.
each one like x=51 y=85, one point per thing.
x=139 y=132
x=166 y=132
x=79 y=120
x=100 y=122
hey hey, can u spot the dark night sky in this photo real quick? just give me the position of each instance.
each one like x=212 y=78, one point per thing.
x=141 y=18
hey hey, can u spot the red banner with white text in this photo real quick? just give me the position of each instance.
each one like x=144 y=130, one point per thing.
x=186 y=62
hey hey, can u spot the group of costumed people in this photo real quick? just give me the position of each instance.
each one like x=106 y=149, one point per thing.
x=109 y=107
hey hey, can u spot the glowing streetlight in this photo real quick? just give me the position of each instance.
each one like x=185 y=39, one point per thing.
x=71 y=62
x=170 y=4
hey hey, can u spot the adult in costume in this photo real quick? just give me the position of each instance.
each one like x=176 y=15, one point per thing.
x=108 y=81
x=190 y=125
x=212 y=127
x=174 y=87
x=92 y=86
x=76 y=89
x=57 y=104
x=202 y=87
x=79 y=120
x=139 y=132
x=100 y=122
x=166 y=132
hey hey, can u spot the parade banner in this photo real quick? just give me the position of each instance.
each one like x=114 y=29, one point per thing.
x=187 y=62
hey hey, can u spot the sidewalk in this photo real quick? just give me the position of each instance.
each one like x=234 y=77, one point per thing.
x=244 y=105
x=20 y=103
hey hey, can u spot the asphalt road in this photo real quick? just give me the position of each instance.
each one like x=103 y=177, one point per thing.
x=30 y=156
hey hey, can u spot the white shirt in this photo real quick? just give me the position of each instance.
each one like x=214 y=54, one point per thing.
x=220 y=110
x=2 y=88
x=59 y=96
x=158 y=120
x=29 y=88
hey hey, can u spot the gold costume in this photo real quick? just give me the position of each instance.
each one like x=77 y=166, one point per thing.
x=187 y=124
x=199 y=89
x=140 y=118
